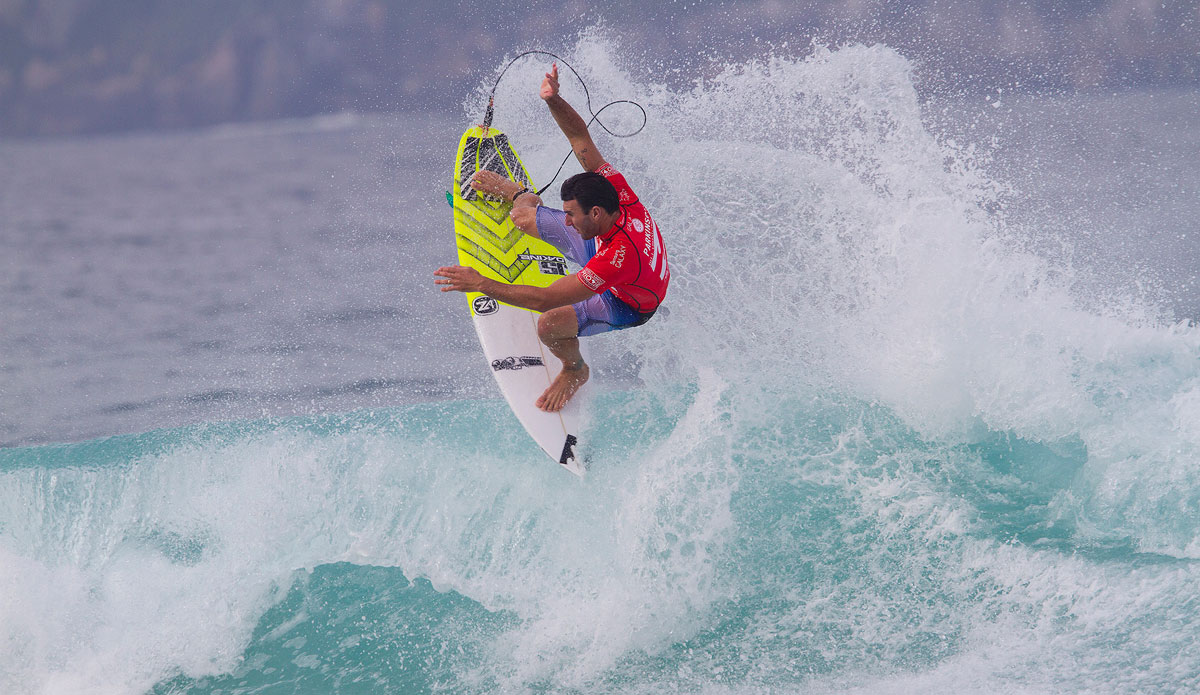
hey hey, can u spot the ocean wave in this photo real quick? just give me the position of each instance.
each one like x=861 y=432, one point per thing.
x=880 y=447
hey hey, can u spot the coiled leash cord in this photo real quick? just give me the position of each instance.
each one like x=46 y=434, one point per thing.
x=487 y=119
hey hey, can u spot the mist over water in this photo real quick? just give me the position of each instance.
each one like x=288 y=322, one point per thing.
x=891 y=439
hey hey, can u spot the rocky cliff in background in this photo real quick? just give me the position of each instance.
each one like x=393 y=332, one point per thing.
x=73 y=66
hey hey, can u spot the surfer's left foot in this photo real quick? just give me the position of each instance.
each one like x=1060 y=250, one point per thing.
x=564 y=386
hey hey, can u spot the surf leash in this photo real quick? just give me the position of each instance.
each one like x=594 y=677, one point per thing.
x=487 y=119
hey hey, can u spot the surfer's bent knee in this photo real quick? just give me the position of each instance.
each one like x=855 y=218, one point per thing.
x=558 y=324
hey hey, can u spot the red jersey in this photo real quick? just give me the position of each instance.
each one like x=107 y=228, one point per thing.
x=630 y=258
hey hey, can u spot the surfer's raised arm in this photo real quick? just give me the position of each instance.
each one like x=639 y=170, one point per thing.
x=571 y=123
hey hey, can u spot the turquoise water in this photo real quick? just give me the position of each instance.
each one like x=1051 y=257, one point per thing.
x=887 y=441
x=824 y=546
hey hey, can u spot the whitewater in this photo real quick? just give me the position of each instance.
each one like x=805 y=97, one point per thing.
x=895 y=436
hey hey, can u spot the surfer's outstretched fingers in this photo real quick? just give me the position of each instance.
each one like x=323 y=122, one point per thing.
x=447 y=284
x=459 y=278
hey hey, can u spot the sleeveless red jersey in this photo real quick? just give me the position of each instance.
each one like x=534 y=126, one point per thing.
x=630 y=258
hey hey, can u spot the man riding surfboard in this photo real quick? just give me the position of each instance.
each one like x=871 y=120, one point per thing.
x=603 y=227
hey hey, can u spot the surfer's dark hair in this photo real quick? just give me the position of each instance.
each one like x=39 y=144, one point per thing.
x=591 y=190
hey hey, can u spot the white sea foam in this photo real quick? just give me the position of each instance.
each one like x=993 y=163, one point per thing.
x=812 y=499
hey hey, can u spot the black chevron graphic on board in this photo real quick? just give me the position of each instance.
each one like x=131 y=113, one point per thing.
x=496 y=212
x=503 y=244
x=508 y=272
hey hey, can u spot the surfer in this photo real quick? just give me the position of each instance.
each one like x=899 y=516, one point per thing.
x=604 y=228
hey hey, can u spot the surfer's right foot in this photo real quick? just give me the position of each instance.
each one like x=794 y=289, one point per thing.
x=563 y=387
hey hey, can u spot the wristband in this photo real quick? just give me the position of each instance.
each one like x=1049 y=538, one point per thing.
x=518 y=194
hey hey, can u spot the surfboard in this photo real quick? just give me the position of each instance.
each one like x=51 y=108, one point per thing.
x=489 y=242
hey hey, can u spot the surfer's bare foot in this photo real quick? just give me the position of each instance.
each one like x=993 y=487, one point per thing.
x=564 y=386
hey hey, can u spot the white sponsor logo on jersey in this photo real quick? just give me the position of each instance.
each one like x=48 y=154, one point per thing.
x=591 y=279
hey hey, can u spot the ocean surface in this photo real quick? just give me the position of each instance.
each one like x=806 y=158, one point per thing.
x=924 y=417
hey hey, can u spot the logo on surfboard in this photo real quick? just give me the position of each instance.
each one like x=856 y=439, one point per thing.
x=484 y=305
x=548 y=265
x=555 y=266
x=514 y=363
x=568 y=452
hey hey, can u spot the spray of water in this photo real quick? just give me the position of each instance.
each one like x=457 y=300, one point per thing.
x=880 y=448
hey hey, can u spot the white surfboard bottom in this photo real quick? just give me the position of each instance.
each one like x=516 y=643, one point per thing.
x=524 y=368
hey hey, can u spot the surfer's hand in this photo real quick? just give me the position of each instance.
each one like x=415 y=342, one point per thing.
x=550 y=84
x=491 y=183
x=459 y=278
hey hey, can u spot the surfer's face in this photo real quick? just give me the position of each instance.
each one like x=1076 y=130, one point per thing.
x=588 y=225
